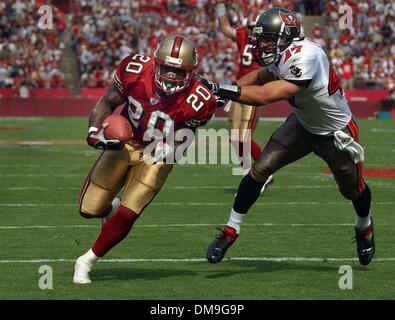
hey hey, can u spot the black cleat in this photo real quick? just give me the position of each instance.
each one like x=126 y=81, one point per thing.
x=223 y=240
x=365 y=244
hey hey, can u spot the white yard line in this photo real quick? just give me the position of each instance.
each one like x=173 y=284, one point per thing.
x=187 y=225
x=202 y=204
x=204 y=187
x=187 y=260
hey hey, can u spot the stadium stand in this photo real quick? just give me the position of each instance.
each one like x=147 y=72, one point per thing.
x=29 y=57
x=365 y=55
x=94 y=35
x=139 y=25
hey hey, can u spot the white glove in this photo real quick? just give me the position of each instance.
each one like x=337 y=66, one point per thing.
x=97 y=140
x=344 y=142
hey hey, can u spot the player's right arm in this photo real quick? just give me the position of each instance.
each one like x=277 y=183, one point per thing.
x=106 y=105
x=103 y=108
x=223 y=20
x=256 y=77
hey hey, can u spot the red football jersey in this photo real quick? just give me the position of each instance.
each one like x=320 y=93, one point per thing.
x=247 y=60
x=146 y=110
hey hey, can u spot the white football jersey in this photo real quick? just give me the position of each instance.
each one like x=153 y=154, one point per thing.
x=321 y=107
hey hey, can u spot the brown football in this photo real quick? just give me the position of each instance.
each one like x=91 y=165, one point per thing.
x=117 y=127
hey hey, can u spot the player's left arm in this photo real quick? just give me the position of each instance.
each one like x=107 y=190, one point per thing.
x=297 y=75
x=270 y=92
x=260 y=95
x=256 y=77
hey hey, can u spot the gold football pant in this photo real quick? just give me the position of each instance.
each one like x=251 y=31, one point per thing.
x=116 y=169
x=242 y=117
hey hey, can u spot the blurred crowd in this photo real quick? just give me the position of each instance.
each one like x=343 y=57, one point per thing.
x=29 y=56
x=103 y=32
x=364 y=54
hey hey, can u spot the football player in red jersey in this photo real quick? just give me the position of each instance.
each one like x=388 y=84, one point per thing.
x=243 y=117
x=159 y=92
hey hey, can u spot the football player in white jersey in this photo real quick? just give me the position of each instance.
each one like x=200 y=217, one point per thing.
x=297 y=69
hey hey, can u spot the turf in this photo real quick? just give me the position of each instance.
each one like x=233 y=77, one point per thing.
x=301 y=216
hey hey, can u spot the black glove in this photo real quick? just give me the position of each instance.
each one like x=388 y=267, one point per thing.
x=222 y=91
x=214 y=87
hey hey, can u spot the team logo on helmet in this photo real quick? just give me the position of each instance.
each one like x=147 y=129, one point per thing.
x=290 y=20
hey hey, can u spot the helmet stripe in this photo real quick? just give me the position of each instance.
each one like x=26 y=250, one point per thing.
x=175 y=51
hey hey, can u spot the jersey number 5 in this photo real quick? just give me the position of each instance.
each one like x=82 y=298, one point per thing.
x=246 y=58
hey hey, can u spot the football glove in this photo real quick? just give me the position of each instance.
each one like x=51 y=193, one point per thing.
x=97 y=140
x=213 y=87
x=209 y=84
x=222 y=91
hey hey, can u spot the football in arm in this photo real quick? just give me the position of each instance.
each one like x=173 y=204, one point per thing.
x=117 y=127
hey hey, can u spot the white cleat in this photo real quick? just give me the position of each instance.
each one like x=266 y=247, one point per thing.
x=81 y=271
x=268 y=182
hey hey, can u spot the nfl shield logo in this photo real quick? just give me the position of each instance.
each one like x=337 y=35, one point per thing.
x=153 y=101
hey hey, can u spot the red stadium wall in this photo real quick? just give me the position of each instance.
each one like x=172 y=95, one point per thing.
x=363 y=104
x=45 y=107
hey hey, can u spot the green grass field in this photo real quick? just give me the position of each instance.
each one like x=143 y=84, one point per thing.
x=297 y=235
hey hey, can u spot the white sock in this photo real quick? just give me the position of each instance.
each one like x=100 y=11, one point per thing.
x=235 y=220
x=362 y=223
x=90 y=258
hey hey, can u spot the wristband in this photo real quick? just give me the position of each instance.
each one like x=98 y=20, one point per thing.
x=93 y=129
x=221 y=10
x=229 y=91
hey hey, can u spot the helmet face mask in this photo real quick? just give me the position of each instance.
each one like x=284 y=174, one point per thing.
x=175 y=64
x=273 y=34
x=170 y=79
x=266 y=50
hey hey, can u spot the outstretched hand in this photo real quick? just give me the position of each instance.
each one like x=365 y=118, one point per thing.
x=214 y=88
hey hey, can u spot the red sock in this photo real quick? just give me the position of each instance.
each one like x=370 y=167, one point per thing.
x=114 y=230
x=255 y=150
